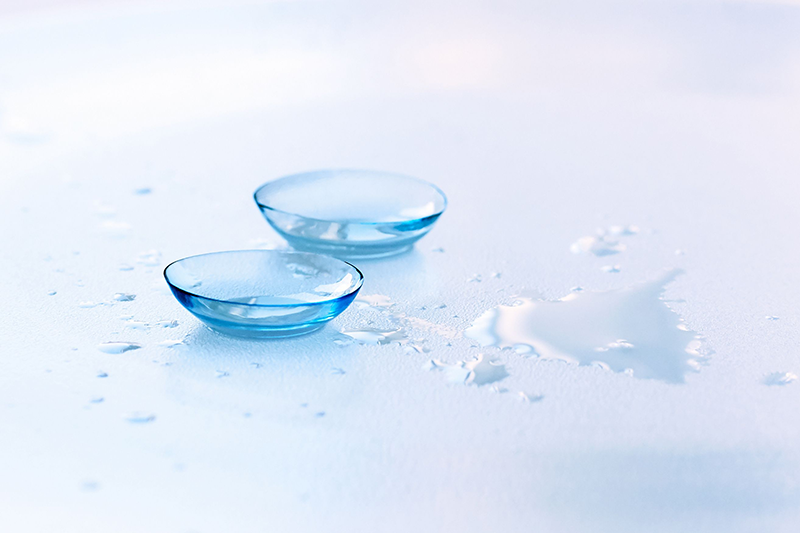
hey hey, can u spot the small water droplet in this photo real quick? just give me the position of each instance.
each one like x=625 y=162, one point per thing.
x=440 y=306
x=780 y=378
x=97 y=399
x=102 y=375
x=376 y=336
x=337 y=371
x=438 y=250
x=320 y=414
x=256 y=365
x=611 y=269
x=52 y=293
x=622 y=230
x=172 y=343
x=577 y=289
x=417 y=347
x=772 y=317
x=476 y=278
x=599 y=246
x=125 y=267
x=222 y=374
x=530 y=398
x=88 y=304
x=498 y=390
x=680 y=251
x=124 y=297
x=496 y=275
x=116 y=347
x=139 y=417
x=136 y=324
x=142 y=191
x=167 y=324
x=478 y=371
x=90 y=486
x=149 y=258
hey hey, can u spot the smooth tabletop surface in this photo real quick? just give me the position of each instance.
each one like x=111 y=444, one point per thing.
x=134 y=134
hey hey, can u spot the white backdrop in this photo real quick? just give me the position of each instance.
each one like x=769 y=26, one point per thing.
x=541 y=122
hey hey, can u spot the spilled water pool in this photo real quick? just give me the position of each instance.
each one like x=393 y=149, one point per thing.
x=627 y=330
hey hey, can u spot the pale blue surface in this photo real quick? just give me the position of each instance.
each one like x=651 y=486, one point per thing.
x=542 y=123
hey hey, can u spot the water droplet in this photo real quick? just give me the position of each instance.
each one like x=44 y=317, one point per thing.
x=780 y=378
x=576 y=326
x=222 y=374
x=611 y=269
x=440 y=306
x=623 y=231
x=256 y=365
x=376 y=336
x=530 y=398
x=374 y=300
x=125 y=267
x=772 y=317
x=123 y=297
x=167 y=324
x=337 y=371
x=136 y=324
x=577 y=289
x=417 y=346
x=142 y=191
x=320 y=414
x=149 y=258
x=97 y=399
x=524 y=349
x=496 y=275
x=139 y=417
x=116 y=347
x=102 y=375
x=52 y=293
x=476 y=278
x=172 y=343
x=599 y=246
x=478 y=371
x=88 y=305
x=498 y=390
x=90 y=486
x=439 y=250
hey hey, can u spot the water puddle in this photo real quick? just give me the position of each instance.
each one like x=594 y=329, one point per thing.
x=628 y=330
x=478 y=371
